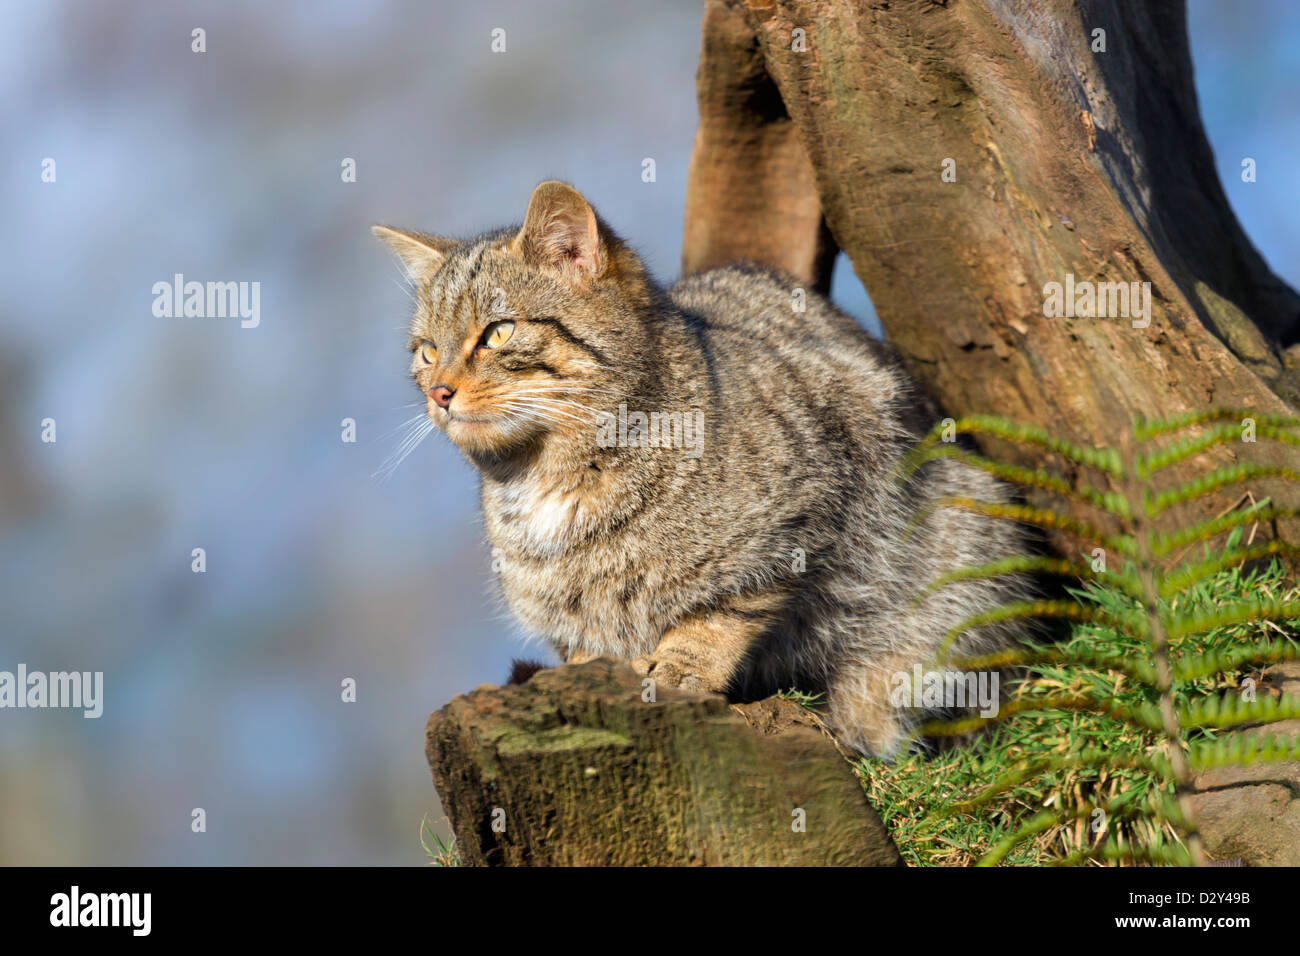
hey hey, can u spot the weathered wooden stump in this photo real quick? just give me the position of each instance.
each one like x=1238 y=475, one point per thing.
x=576 y=768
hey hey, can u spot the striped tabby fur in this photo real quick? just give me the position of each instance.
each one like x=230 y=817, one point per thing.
x=771 y=556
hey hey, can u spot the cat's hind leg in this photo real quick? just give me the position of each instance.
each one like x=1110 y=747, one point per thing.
x=862 y=703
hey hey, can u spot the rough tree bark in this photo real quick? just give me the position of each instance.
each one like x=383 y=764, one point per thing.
x=1067 y=161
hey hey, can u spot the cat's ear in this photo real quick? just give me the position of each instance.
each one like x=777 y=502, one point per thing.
x=561 y=231
x=421 y=256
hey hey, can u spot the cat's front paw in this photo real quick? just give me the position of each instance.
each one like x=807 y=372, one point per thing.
x=666 y=673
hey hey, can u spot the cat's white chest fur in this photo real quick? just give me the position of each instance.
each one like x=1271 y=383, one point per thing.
x=541 y=516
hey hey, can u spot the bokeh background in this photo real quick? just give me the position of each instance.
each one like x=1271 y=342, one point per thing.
x=223 y=688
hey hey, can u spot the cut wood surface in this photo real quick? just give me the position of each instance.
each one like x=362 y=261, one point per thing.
x=574 y=767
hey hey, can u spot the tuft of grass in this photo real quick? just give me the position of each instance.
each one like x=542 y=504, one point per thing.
x=804 y=699
x=440 y=853
x=929 y=803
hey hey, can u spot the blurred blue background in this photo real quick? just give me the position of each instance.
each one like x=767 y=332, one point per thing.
x=223 y=688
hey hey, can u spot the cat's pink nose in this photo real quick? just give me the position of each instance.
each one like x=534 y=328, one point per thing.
x=442 y=395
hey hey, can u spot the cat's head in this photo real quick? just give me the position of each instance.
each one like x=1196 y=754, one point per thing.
x=521 y=336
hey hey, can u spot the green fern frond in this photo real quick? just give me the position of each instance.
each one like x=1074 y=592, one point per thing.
x=1243 y=613
x=1146 y=466
x=1127 y=623
x=1166 y=854
x=1243 y=749
x=1043 y=821
x=1102 y=459
x=1210 y=662
x=1145 y=429
x=1166 y=544
x=1090 y=759
x=1146 y=716
x=1057 y=567
x=1216 y=480
x=1134 y=700
x=1027 y=514
x=1188 y=575
x=1119 y=660
x=1109 y=501
x=1230 y=710
x=1114 y=810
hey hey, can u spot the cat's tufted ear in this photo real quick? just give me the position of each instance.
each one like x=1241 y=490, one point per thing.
x=420 y=255
x=561 y=231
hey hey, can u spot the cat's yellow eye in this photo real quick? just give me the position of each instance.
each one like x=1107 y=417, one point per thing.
x=498 y=334
x=428 y=353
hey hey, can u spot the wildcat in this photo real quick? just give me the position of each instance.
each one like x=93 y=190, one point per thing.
x=699 y=479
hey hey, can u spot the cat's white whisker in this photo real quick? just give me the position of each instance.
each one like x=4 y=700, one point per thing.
x=418 y=431
x=411 y=437
x=545 y=396
x=565 y=390
x=541 y=412
x=554 y=403
x=412 y=422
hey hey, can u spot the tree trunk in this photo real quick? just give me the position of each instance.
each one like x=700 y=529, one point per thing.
x=1067 y=162
x=574 y=767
